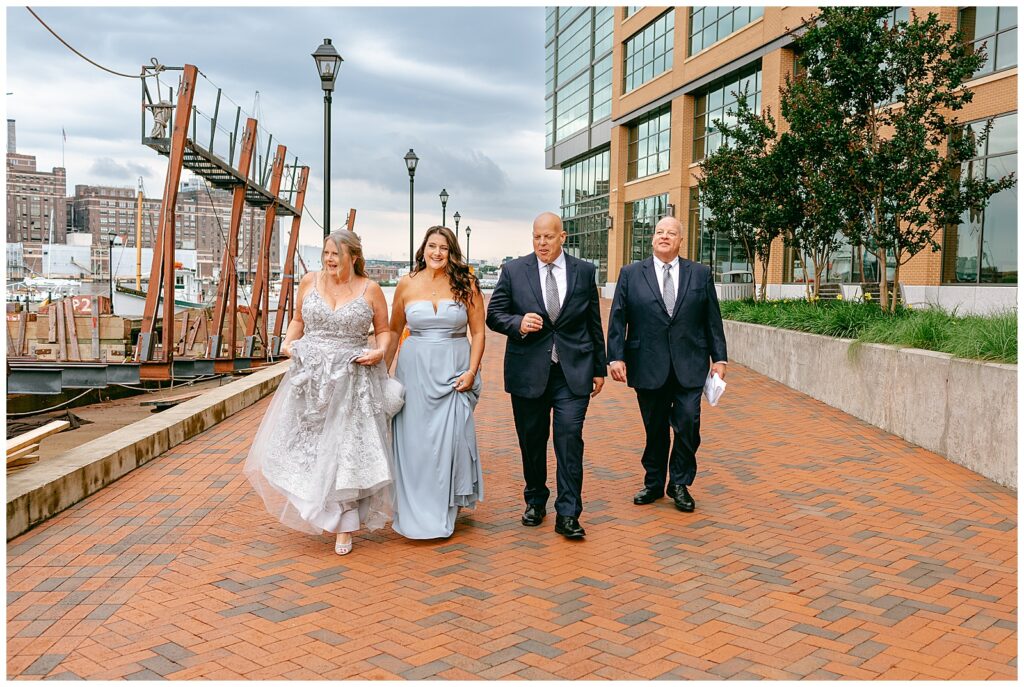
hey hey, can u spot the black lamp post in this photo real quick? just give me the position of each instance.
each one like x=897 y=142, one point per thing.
x=456 y=217
x=467 y=243
x=410 y=162
x=110 y=265
x=327 y=63
x=444 y=203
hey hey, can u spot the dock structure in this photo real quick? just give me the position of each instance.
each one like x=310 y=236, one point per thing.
x=254 y=180
x=198 y=343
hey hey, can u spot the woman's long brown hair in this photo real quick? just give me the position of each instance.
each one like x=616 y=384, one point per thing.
x=462 y=281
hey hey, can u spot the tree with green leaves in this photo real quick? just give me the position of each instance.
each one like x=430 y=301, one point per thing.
x=748 y=187
x=821 y=151
x=896 y=85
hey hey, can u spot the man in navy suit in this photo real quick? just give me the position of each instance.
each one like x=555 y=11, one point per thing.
x=664 y=332
x=546 y=303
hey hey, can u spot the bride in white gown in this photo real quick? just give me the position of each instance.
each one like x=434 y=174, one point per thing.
x=321 y=458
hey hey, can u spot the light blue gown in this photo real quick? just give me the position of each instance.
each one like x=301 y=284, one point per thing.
x=437 y=465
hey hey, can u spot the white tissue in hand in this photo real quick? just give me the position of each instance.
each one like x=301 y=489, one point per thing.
x=714 y=387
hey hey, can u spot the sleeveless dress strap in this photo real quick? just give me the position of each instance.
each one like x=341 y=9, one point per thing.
x=365 y=286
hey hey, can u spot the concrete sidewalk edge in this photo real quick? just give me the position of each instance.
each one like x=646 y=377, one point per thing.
x=47 y=488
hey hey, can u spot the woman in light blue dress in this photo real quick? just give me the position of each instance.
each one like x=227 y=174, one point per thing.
x=437 y=465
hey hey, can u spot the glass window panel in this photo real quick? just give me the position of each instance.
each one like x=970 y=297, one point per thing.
x=996 y=30
x=647 y=139
x=999 y=243
x=985 y=20
x=1006 y=49
x=711 y=24
x=983 y=247
x=696 y=43
x=647 y=53
x=1003 y=136
x=716 y=104
x=709 y=35
x=715 y=99
x=584 y=209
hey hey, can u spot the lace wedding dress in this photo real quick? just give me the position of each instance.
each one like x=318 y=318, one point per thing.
x=321 y=458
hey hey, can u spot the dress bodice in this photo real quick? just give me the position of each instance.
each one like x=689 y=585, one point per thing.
x=347 y=326
x=450 y=318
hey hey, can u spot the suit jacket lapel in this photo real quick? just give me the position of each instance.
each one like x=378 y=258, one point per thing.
x=570 y=279
x=650 y=275
x=533 y=277
x=684 y=284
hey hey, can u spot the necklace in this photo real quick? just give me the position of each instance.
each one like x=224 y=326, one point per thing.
x=347 y=283
x=433 y=291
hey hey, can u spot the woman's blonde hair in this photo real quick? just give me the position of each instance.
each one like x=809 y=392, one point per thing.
x=351 y=243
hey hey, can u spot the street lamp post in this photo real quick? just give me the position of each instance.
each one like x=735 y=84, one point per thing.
x=444 y=204
x=327 y=63
x=110 y=265
x=410 y=162
x=456 y=217
x=467 y=244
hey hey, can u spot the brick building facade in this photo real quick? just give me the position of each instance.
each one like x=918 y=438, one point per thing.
x=34 y=197
x=632 y=93
x=201 y=223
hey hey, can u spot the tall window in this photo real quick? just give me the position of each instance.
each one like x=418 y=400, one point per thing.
x=574 y=48
x=602 y=105
x=572 y=104
x=641 y=216
x=604 y=26
x=983 y=248
x=711 y=24
x=649 y=52
x=585 y=209
x=649 y=141
x=578 y=69
x=716 y=102
x=717 y=252
x=996 y=28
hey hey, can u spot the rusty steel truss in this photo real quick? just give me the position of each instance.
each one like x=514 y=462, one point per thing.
x=271 y=184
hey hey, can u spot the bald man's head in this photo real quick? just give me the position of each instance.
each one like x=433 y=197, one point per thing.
x=548 y=237
x=668 y=237
x=546 y=219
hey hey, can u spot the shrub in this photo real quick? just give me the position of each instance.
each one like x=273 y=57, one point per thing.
x=979 y=337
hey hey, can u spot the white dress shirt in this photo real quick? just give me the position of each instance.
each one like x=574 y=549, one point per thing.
x=559 y=272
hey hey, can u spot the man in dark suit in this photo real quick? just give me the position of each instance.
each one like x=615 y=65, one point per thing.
x=546 y=303
x=665 y=330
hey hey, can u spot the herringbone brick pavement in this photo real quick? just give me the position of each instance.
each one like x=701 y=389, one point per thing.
x=821 y=548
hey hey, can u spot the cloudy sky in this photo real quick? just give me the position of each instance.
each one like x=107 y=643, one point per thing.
x=463 y=86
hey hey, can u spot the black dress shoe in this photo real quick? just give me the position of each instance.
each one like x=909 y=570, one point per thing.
x=534 y=515
x=684 y=501
x=646 y=495
x=569 y=527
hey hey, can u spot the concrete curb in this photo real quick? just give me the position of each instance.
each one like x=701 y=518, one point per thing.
x=47 y=488
x=964 y=410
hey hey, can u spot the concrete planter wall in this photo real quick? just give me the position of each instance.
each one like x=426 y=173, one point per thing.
x=965 y=410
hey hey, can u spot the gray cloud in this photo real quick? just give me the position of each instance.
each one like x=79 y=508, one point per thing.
x=462 y=85
x=109 y=168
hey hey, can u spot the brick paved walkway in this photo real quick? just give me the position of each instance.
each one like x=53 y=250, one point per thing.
x=821 y=548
